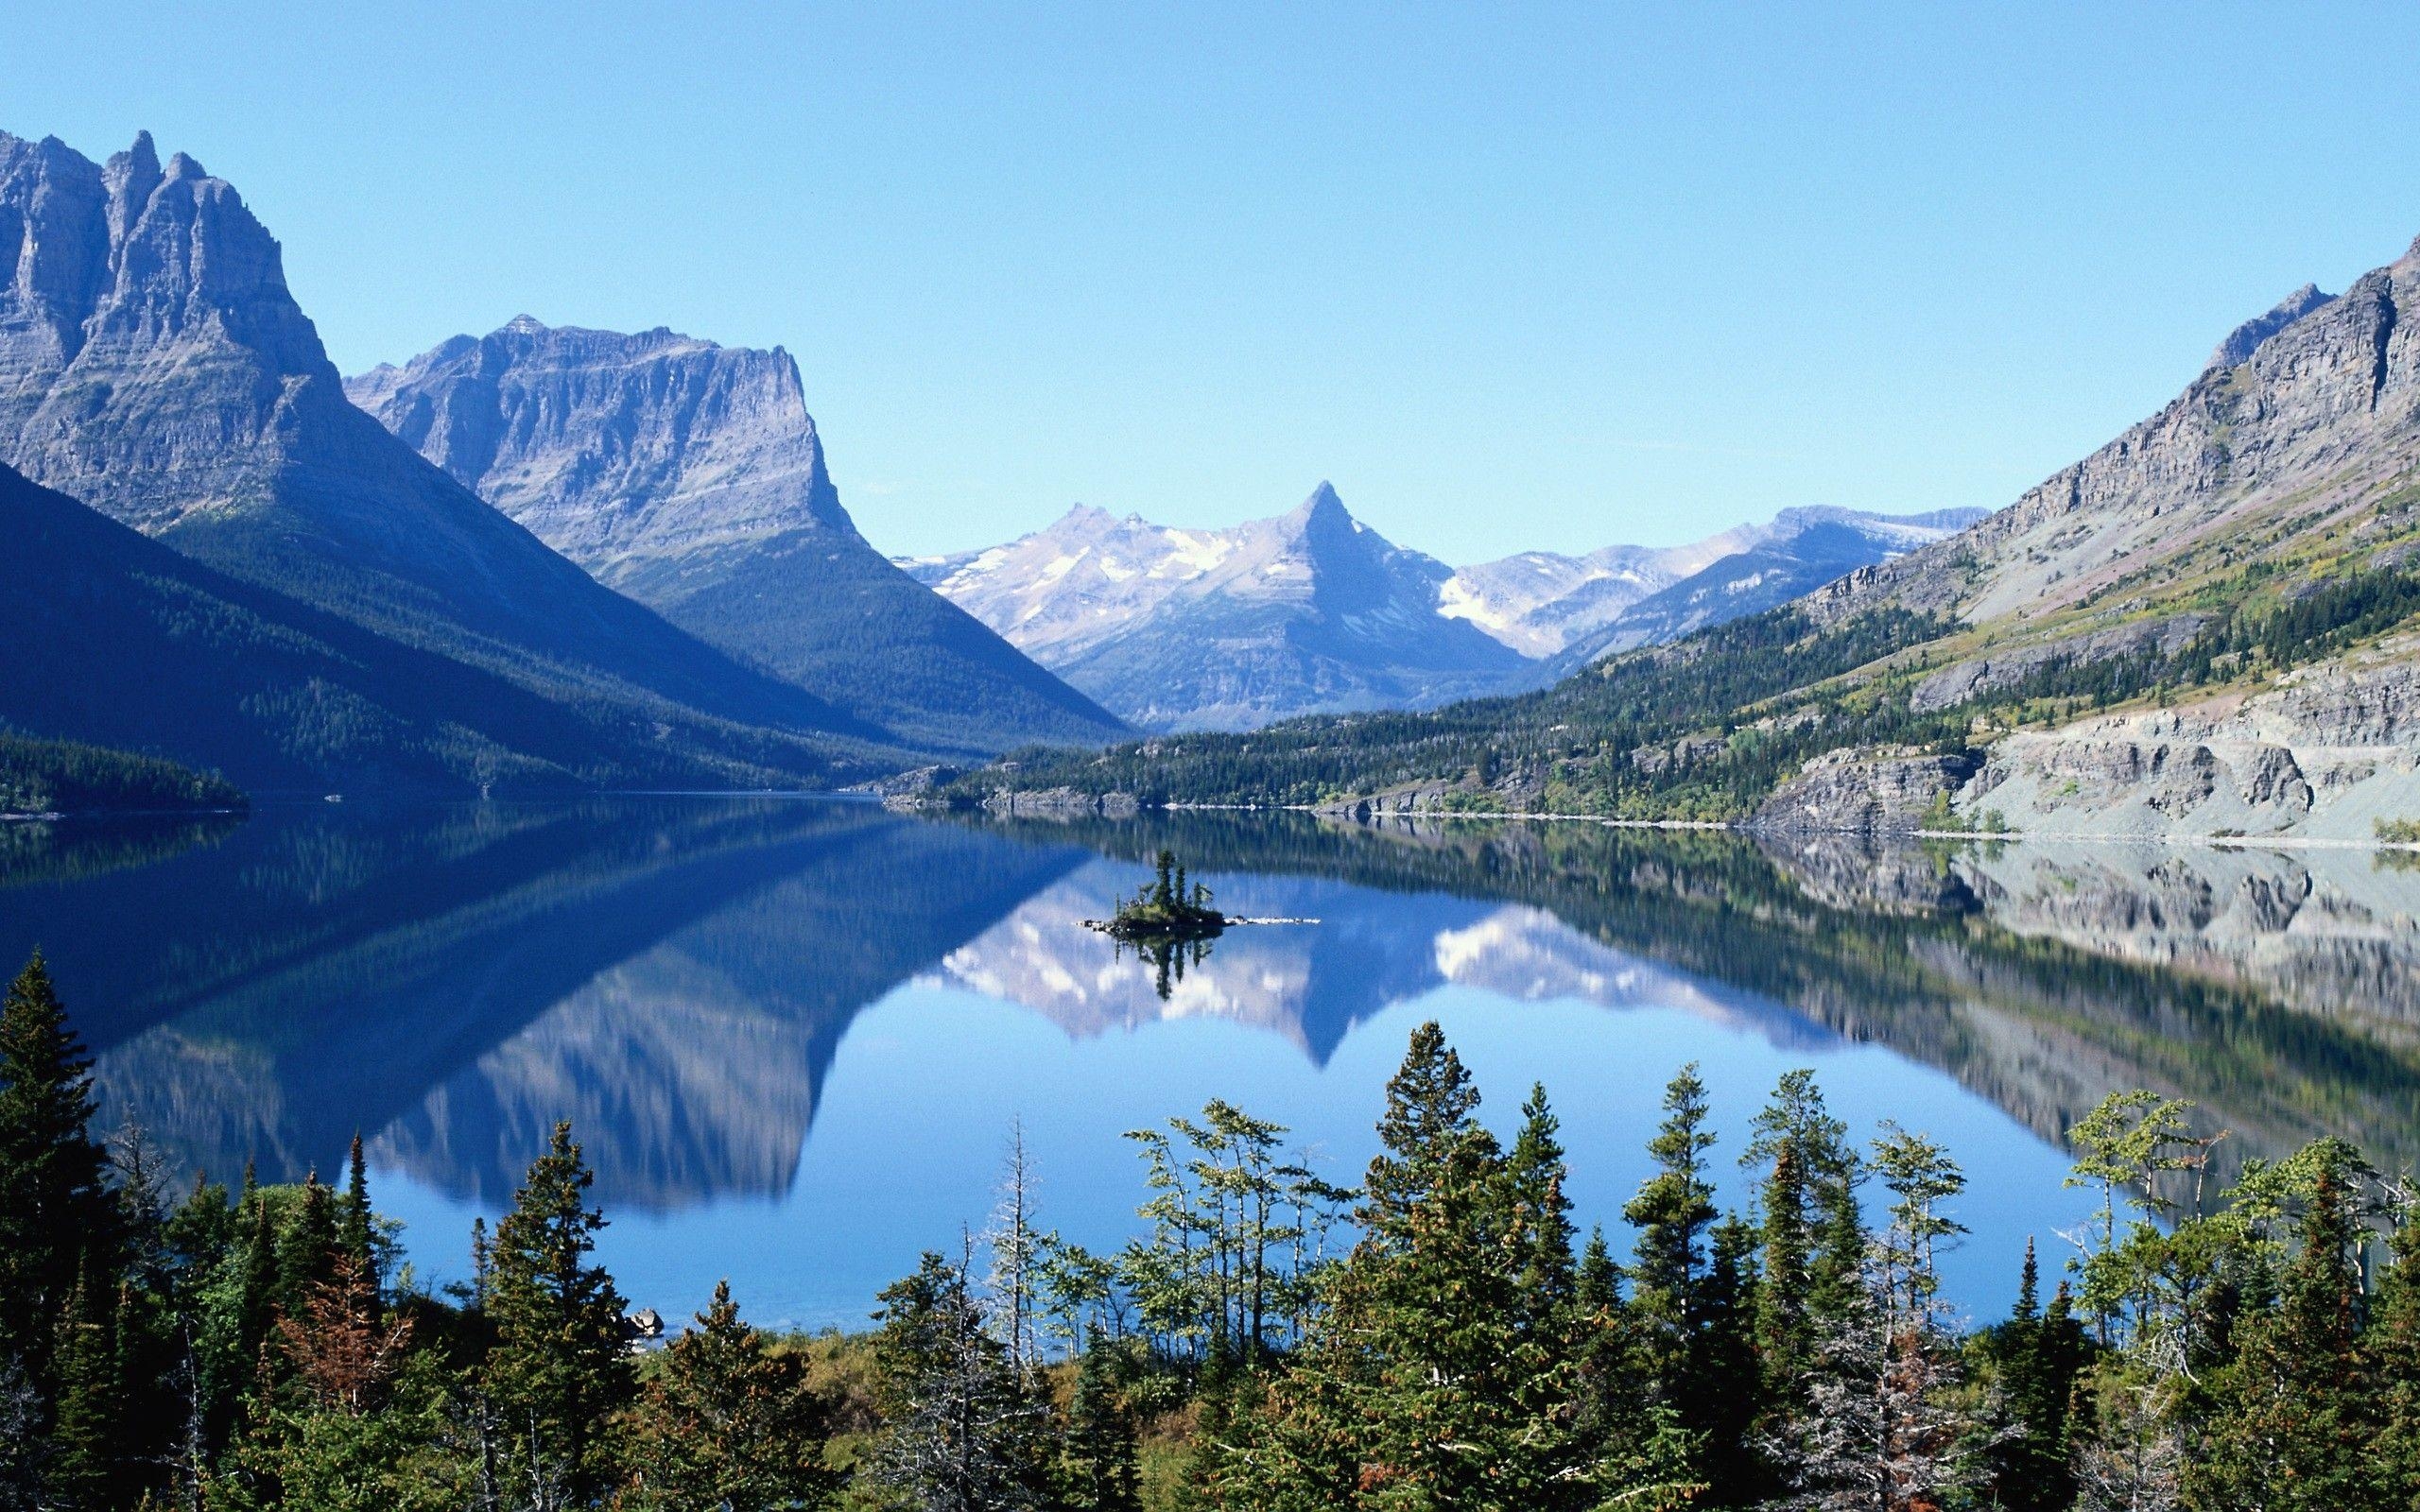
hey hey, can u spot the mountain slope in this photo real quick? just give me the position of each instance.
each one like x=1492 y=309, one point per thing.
x=2199 y=627
x=114 y=638
x=1229 y=629
x=154 y=366
x=690 y=477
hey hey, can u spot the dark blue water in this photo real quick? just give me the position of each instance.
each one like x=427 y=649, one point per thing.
x=793 y=1035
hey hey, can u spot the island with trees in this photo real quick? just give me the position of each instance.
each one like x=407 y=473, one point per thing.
x=1165 y=910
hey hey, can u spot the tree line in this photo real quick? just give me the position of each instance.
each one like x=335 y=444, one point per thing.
x=1442 y=1335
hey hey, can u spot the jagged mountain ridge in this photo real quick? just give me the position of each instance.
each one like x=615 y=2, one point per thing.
x=155 y=367
x=690 y=476
x=1132 y=610
x=1312 y=611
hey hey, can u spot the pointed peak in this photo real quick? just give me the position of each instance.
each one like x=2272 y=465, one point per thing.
x=144 y=156
x=522 y=325
x=1323 y=504
x=184 y=165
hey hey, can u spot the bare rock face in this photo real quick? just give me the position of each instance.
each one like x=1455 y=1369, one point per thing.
x=609 y=447
x=1864 y=792
x=690 y=476
x=154 y=366
x=2327 y=753
x=2314 y=406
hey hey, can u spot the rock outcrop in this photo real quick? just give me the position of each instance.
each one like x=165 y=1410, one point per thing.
x=2328 y=754
x=1865 y=792
x=690 y=476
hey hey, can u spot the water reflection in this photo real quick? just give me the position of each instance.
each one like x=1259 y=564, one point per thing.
x=689 y=978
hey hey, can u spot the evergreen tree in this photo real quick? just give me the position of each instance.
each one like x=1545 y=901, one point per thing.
x=1542 y=1215
x=727 y=1420
x=560 y=1372
x=2037 y=1356
x=1424 y=1383
x=355 y=1233
x=1811 y=1237
x=1672 y=1212
x=2296 y=1428
x=54 y=1209
x=83 y=1474
x=2394 y=1346
x=962 y=1434
x=1097 y=1469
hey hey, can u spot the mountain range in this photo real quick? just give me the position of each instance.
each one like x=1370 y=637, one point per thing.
x=343 y=611
x=2203 y=627
x=1314 y=611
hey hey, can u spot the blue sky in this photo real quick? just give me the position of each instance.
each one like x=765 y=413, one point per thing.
x=1511 y=276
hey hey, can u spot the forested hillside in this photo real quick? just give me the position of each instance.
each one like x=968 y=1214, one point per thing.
x=62 y=777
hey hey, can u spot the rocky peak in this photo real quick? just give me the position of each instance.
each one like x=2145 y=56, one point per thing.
x=612 y=447
x=2246 y=340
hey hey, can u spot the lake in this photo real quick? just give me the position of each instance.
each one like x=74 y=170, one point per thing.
x=794 y=1034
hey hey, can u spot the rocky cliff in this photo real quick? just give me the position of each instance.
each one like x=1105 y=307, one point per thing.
x=690 y=476
x=154 y=366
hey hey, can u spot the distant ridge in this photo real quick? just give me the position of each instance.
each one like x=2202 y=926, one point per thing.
x=1313 y=612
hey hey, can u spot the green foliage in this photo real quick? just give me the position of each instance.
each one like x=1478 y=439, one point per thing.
x=559 y=1373
x=727 y=1420
x=62 y=776
x=239 y=1351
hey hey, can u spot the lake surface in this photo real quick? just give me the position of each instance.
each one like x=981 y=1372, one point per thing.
x=794 y=1034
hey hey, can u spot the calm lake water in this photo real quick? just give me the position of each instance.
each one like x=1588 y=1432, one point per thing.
x=793 y=1034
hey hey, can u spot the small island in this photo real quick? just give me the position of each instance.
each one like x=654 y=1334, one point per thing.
x=1165 y=910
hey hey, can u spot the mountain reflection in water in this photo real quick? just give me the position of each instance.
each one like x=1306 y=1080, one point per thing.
x=679 y=975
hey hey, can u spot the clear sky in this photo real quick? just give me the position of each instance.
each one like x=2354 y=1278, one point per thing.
x=1511 y=276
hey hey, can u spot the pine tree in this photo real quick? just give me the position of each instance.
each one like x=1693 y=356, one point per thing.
x=1542 y=1215
x=355 y=1233
x=1811 y=1237
x=55 y=1207
x=1424 y=1383
x=1097 y=1469
x=82 y=1475
x=727 y=1420
x=1672 y=1212
x=2038 y=1355
x=560 y=1372
x=2295 y=1429
x=2393 y=1345
x=962 y=1434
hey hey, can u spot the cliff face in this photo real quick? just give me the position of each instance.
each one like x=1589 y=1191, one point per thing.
x=690 y=476
x=612 y=447
x=154 y=366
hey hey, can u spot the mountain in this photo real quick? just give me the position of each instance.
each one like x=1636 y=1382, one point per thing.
x=113 y=637
x=690 y=477
x=1572 y=610
x=2205 y=627
x=154 y=366
x=1312 y=611
x=1150 y=618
